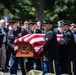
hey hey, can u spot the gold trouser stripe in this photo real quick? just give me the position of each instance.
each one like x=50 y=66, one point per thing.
x=72 y=68
x=54 y=69
x=41 y=62
x=25 y=64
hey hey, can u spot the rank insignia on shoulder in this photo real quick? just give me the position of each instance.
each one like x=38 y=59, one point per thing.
x=46 y=39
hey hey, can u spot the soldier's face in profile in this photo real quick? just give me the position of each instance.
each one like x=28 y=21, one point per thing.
x=33 y=27
x=64 y=28
x=47 y=27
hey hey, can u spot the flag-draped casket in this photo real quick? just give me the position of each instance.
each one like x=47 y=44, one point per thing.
x=30 y=45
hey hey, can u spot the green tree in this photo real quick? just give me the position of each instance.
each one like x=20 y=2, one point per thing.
x=40 y=9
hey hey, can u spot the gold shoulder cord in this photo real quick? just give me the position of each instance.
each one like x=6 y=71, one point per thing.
x=54 y=69
x=72 y=68
x=24 y=64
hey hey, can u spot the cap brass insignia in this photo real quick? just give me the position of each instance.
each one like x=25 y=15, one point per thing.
x=46 y=39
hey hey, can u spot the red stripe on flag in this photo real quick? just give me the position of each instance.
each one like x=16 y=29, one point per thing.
x=59 y=36
x=16 y=51
x=16 y=44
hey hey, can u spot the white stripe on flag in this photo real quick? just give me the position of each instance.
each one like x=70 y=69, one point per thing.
x=41 y=34
x=15 y=41
x=20 y=39
x=25 y=40
x=37 y=48
x=59 y=35
x=15 y=48
x=58 y=39
x=36 y=40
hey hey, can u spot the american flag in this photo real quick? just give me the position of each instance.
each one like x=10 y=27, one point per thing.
x=36 y=40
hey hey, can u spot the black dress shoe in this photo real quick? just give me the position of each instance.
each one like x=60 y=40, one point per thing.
x=4 y=70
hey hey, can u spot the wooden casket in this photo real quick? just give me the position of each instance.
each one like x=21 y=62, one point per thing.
x=30 y=45
x=25 y=50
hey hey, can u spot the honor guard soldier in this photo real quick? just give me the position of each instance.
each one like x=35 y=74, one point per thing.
x=31 y=61
x=50 y=50
x=34 y=27
x=66 y=48
x=12 y=35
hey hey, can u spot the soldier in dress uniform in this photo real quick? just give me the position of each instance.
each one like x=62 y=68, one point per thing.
x=34 y=27
x=12 y=35
x=66 y=48
x=31 y=61
x=50 y=50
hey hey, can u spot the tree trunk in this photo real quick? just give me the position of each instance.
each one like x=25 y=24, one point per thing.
x=39 y=9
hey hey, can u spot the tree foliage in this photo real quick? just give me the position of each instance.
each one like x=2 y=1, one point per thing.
x=39 y=9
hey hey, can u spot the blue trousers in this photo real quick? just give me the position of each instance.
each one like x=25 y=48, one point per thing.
x=47 y=67
x=14 y=65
